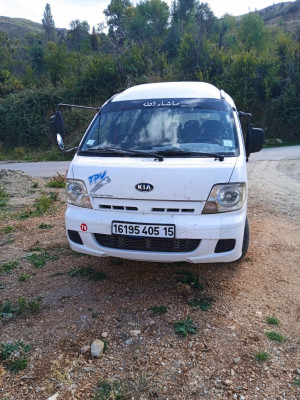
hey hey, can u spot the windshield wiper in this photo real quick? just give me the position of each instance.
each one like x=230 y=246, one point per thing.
x=117 y=150
x=217 y=156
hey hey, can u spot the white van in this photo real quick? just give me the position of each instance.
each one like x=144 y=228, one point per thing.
x=160 y=175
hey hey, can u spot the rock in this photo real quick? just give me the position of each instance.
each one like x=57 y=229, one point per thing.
x=228 y=382
x=279 y=141
x=97 y=348
x=237 y=360
x=104 y=334
x=84 y=349
x=135 y=332
x=54 y=397
x=298 y=371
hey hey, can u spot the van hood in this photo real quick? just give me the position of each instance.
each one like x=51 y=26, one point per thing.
x=176 y=179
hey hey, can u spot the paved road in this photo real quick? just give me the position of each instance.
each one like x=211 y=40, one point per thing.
x=50 y=168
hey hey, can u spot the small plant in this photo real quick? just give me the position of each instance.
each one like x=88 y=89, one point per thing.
x=88 y=272
x=38 y=260
x=183 y=327
x=159 y=309
x=8 y=309
x=58 y=181
x=262 y=356
x=41 y=206
x=7 y=267
x=190 y=279
x=54 y=196
x=14 y=356
x=35 y=185
x=275 y=337
x=23 y=277
x=272 y=320
x=3 y=198
x=297 y=381
x=45 y=226
x=8 y=229
x=203 y=304
x=109 y=390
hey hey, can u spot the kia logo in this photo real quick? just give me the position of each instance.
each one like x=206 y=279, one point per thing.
x=144 y=187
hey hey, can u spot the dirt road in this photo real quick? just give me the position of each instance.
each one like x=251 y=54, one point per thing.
x=234 y=352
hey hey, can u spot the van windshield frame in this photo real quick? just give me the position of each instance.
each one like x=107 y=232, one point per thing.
x=163 y=126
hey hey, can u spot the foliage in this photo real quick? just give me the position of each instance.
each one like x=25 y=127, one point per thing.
x=184 y=327
x=14 y=355
x=58 y=181
x=8 y=309
x=88 y=272
x=203 y=304
x=275 y=337
x=272 y=320
x=38 y=260
x=109 y=390
x=3 y=198
x=189 y=278
x=7 y=267
x=262 y=356
x=146 y=42
x=159 y=309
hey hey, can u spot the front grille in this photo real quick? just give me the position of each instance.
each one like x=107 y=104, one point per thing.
x=147 y=244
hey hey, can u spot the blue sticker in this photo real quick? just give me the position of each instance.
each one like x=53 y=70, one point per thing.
x=100 y=179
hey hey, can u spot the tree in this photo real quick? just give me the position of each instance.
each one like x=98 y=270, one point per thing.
x=48 y=23
x=253 y=33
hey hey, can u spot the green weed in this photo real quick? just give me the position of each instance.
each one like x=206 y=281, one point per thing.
x=88 y=272
x=183 y=327
x=190 y=279
x=3 y=198
x=8 y=229
x=13 y=356
x=275 y=337
x=262 y=356
x=38 y=260
x=272 y=320
x=8 y=309
x=58 y=181
x=203 y=304
x=159 y=309
x=106 y=390
x=45 y=226
x=41 y=206
x=7 y=267
x=23 y=277
x=35 y=185
x=297 y=381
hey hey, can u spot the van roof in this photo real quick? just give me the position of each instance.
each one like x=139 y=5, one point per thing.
x=176 y=90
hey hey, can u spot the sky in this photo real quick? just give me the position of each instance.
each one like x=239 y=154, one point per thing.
x=64 y=11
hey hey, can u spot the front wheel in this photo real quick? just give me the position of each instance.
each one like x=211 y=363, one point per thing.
x=246 y=239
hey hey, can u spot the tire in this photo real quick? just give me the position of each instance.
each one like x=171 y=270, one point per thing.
x=246 y=239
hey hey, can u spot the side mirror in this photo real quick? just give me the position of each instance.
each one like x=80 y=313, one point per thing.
x=57 y=131
x=255 y=140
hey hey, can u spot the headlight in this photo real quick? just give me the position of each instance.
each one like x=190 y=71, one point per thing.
x=77 y=194
x=225 y=198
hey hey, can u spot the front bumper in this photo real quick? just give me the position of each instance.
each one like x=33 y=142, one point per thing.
x=208 y=229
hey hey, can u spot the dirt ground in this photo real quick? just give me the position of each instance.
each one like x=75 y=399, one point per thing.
x=144 y=357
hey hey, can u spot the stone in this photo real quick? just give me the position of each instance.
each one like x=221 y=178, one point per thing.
x=135 y=332
x=84 y=349
x=237 y=360
x=104 y=334
x=54 y=397
x=97 y=348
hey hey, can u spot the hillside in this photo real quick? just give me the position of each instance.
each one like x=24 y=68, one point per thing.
x=19 y=27
x=284 y=14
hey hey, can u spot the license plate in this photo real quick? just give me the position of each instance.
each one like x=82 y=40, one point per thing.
x=147 y=230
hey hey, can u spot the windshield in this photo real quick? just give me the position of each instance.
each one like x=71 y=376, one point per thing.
x=165 y=126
